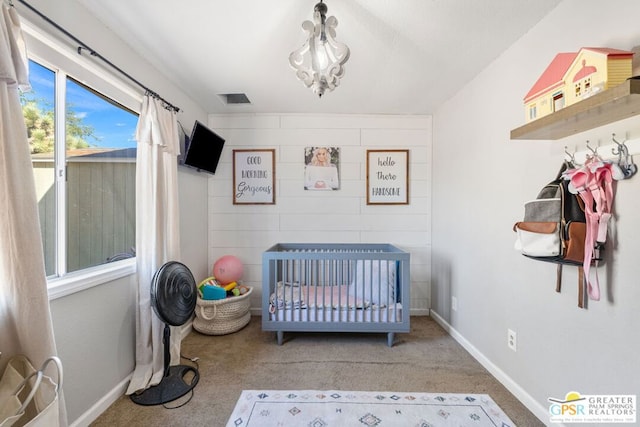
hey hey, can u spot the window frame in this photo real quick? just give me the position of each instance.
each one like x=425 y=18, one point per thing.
x=66 y=63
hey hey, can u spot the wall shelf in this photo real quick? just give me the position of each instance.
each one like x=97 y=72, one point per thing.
x=606 y=107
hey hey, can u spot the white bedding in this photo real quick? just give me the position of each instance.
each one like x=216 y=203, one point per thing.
x=375 y=281
x=372 y=314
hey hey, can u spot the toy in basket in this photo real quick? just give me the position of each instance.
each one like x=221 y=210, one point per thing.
x=223 y=316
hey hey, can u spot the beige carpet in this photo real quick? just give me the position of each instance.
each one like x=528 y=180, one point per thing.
x=425 y=360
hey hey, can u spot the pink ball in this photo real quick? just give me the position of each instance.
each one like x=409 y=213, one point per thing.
x=227 y=269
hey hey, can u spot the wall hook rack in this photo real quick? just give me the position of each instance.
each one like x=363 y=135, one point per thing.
x=594 y=151
x=572 y=156
x=625 y=160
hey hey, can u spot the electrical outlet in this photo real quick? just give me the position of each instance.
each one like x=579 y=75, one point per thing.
x=454 y=303
x=512 y=340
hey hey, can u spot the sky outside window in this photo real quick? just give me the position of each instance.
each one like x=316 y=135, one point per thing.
x=113 y=126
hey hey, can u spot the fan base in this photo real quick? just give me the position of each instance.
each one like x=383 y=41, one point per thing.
x=172 y=386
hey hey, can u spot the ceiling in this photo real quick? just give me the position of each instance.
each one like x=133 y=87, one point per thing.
x=407 y=56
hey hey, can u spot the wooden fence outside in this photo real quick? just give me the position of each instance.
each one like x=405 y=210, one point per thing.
x=100 y=209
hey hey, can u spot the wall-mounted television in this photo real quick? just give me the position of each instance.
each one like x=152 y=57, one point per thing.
x=203 y=149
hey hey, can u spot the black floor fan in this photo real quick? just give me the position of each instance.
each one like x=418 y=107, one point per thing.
x=173 y=297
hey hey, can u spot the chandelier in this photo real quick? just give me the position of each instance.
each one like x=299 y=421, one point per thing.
x=319 y=62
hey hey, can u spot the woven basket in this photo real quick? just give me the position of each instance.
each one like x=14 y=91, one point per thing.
x=222 y=316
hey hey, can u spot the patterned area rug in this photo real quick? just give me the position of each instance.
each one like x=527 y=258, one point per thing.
x=311 y=408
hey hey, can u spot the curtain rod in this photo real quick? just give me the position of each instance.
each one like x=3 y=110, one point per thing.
x=92 y=52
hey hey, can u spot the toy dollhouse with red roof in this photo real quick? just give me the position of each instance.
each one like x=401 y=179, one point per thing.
x=574 y=76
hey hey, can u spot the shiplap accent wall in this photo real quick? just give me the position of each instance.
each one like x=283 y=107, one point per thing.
x=340 y=216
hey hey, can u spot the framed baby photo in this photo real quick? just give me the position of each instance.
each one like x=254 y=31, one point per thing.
x=254 y=177
x=321 y=168
x=387 y=177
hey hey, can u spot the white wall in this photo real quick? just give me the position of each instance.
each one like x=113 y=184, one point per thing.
x=317 y=217
x=95 y=329
x=481 y=180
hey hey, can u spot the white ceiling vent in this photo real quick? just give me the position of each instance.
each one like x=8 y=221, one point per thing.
x=234 y=98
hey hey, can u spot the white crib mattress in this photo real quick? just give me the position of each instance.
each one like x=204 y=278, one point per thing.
x=373 y=314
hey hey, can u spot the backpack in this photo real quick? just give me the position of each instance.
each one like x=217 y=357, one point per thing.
x=554 y=230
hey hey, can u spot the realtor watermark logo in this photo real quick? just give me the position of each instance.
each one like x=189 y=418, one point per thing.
x=606 y=408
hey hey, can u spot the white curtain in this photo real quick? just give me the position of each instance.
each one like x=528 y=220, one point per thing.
x=25 y=317
x=157 y=233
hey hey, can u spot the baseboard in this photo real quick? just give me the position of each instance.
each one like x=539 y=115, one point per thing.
x=118 y=391
x=186 y=329
x=525 y=398
x=101 y=405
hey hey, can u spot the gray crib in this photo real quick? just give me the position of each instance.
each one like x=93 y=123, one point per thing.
x=335 y=288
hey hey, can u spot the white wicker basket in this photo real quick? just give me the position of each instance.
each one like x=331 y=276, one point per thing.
x=222 y=316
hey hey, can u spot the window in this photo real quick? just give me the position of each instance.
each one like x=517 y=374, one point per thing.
x=558 y=101
x=533 y=113
x=83 y=152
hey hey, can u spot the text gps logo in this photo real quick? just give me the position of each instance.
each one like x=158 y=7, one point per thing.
x=577 y=408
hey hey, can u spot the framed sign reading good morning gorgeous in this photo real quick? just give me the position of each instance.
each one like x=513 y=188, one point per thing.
x=254 y=177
